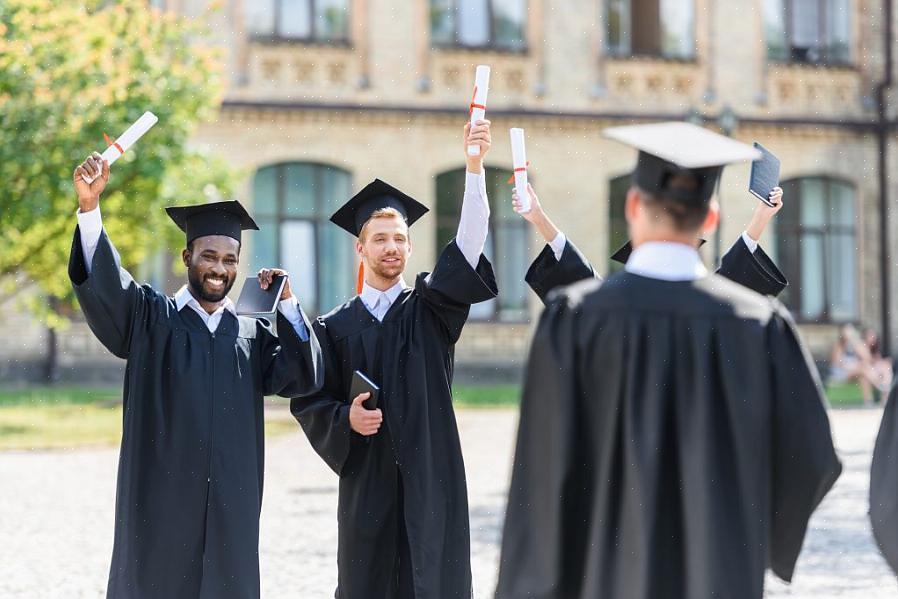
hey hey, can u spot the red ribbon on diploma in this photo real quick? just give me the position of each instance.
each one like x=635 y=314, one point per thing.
x=109 y=142
x=473 y=105
x=520 y=169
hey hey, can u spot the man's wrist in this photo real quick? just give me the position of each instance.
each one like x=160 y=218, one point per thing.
x=475 y=166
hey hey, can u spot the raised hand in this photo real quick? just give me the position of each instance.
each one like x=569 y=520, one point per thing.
x=266 y=277
x=763 y=213
x=89 y=193
x=478 y=135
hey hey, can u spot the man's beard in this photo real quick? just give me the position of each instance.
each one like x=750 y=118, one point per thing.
x=196 y=285
x=387 y=272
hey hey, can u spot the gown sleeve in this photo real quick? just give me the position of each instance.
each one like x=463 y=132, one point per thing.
x=324 y=414
x=290 y=366
x=884 y=483
x=546 y=273
x=115 y=306
x=805 y=464
x=754 y=270
x=453 y=286
x=544 y=473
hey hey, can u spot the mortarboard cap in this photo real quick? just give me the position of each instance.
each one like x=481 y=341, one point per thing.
x=623 y=253
x=353 y=215
x=216 y=218
x=680 y=161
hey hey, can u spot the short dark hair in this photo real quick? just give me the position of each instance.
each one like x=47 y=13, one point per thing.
x=685 y=216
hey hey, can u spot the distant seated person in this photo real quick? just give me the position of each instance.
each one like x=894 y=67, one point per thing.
x=882 y=365
x=851 y=361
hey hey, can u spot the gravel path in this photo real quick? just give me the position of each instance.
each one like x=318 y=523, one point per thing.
x=56 y=518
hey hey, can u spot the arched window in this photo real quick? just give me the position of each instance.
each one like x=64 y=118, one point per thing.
x=617 y=222
x=507 y=246
x=817 y=250
x=292 y=203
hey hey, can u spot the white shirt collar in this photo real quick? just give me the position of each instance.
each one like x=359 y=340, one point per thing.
x=183 y=298
x=666 y=260
x=370 y=295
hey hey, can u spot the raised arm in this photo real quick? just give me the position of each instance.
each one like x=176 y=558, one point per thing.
x=113 y=303
x=560 y=263
x=746 y=263
x=292 y=361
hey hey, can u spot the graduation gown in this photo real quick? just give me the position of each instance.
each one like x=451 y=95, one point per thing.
x=884 y=483
x=673 y=442
x=190 y=473
x=754 y=270
x=407 y=480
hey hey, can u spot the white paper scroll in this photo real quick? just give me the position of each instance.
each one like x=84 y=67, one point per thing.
x=127 y=139
x=478 y=101
x=519 y=160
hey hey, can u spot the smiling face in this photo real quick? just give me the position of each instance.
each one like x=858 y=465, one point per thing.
x=211 y=263
x=384 y=245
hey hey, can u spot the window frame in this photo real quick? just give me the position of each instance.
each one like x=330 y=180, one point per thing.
x=311 y=40
x=797 y=231
x=615 y=54
x=490 y=46
x=824 y=6
x=321 y=216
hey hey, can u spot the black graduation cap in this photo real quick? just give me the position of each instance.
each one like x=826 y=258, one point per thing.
x=623 y=253
x=375 y=196
x=680 y=161
x=215 y=218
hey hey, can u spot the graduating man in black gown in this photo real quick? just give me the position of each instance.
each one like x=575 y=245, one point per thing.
x=673 y=438
x=561 y=262
x=191 y=463
x=403 y=511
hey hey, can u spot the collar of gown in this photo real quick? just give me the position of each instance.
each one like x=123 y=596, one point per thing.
x=666 y=260
x=370 y=295
x=183 y=298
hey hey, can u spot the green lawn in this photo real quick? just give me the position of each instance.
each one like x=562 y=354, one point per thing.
x=61 y=417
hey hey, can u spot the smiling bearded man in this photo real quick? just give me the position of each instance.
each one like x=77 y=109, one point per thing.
x=403 y=511
x=190 y=469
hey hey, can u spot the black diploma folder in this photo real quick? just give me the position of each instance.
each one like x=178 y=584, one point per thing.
x=765 y=175
x=255 y=300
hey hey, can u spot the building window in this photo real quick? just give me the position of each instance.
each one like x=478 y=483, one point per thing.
x=816 y=249
x=808 y=31
x=658 y=28
x=495 y=24
x=507 y=246
x=292 y=203
x=617 y=221
x=324 y=21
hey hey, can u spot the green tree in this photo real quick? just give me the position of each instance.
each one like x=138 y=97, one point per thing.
x=68 y=73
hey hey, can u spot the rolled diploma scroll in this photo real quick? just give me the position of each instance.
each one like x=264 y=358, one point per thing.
x=127 y=139
x=519 y=160
x=478 y=101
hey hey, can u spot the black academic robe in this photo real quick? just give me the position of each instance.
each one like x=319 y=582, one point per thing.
x=406 y=482
x=673 y=442
x=754 y=270
x=190 y=470
x=884 y=483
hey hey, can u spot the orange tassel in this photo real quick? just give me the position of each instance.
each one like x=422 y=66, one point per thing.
x=361 y=281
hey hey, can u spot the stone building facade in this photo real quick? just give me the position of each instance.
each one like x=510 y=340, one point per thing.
x=325 y=95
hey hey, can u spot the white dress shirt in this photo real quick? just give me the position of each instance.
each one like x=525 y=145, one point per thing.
x=91 y=225
x=560 y=241
x=474 y=223
x=473 y=228
x=667 y=261
x=379 y=302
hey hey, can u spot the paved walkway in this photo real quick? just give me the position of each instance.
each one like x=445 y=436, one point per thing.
x=56 y=518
